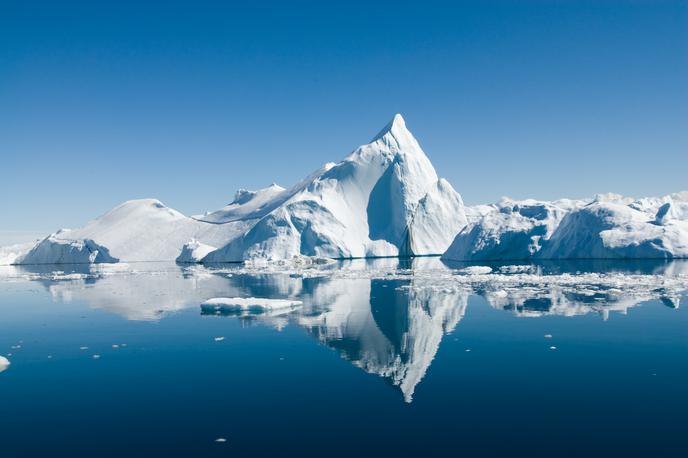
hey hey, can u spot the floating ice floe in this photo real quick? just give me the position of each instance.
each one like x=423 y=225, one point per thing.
x=4 y=363
x=475 y=270
x=222 y=305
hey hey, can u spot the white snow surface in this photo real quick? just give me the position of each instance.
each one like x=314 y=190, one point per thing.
x=137 y=230
x=248 y=205
x=364 y=206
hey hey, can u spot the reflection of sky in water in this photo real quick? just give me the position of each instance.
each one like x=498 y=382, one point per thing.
x=469 y=357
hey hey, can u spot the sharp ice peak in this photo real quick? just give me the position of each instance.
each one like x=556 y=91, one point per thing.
x=396 y=128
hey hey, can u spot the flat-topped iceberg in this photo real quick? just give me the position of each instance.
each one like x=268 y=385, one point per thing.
x=230 y=305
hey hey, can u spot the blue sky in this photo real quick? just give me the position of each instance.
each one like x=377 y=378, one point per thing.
x=188 y=101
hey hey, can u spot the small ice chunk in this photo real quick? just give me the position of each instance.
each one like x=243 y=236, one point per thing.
x=4 y=363
x=96 y=356
x=552 y=347
x=548 y=336
x=220 y=440
x=115 y=346
x=83 y=348
x=476 y=270
x=219 y=339
x=247 y=304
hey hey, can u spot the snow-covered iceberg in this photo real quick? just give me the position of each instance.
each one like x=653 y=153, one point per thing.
x=61 y=250
x=137 y=230
x=606 y=227
x=4 y=363
x=384 y=199
x=510 y=230
x=613 y=230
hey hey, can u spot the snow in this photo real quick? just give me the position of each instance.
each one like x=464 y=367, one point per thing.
x=248 y=205
x=4 y=363
x=137 y=230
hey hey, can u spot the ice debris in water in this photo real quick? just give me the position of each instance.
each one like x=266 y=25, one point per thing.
x=4 y=363
x=219 y=339
x=247 y=304
x=476 y=270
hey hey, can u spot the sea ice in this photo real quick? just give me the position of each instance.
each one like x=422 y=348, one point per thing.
x=247 y=304
x=4 y=363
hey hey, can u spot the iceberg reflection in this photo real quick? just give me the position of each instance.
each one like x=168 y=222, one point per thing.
x=387 y=317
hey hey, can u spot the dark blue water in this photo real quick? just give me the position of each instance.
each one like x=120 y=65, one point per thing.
x=364 y=367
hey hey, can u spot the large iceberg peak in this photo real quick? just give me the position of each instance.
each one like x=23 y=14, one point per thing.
x=396 y=136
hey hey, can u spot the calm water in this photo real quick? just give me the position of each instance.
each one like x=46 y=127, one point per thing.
x=378 y=363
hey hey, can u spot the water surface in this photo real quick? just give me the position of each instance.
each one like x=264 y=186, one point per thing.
x=386 y=357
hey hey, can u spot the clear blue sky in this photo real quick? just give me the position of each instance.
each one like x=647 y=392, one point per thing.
x=188 y=101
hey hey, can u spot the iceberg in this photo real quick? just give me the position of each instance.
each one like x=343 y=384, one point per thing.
x=193 y=252
x=384 y=199
x=59 y=250
x=509 y=230
x=233 y=305
x=608 y=226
